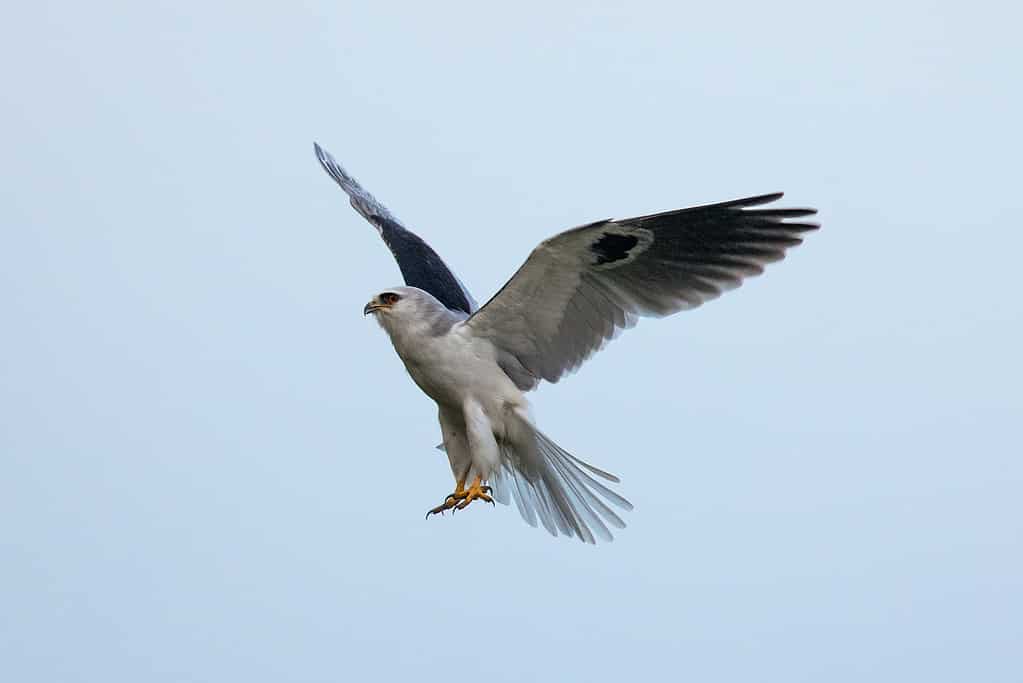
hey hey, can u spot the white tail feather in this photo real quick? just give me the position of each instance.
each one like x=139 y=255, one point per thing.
x=557 y=489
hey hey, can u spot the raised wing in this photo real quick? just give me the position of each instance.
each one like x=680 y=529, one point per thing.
x=578 y=289
x=420 y=265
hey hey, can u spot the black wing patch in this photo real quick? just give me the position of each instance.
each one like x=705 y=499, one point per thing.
x=613 y=247
x=420 y=265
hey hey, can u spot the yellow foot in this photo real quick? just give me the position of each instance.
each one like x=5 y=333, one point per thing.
x=460 y=499
x=450 y=501
x=476 y=492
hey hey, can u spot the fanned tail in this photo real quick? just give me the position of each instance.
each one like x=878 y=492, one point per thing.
x=553 y=487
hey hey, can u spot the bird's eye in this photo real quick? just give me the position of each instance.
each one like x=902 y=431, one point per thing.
x=389 y=298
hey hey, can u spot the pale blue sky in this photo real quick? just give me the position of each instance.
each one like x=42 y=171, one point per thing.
x=215 y=469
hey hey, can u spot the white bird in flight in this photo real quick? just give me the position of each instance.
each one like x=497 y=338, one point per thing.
x=573 y=294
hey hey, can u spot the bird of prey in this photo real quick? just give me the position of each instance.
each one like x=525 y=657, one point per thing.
x=576 y=291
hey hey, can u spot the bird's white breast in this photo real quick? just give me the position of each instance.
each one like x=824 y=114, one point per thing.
x=454 y=367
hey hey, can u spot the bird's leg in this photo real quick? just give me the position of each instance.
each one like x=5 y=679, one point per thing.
x=476 y=491
x=460 y=499
x=452 y=498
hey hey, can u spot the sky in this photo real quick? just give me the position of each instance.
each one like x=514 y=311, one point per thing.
x=214 y=468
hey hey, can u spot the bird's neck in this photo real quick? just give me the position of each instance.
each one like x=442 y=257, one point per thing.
x=406 y=338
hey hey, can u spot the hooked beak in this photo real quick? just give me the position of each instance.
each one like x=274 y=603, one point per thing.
x=372 y=307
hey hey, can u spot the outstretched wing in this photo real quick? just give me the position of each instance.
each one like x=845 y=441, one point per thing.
x=420 y=265
x=579 y=288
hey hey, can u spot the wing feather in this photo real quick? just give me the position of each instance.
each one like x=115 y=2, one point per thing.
x=419 y=264
x=580 y=288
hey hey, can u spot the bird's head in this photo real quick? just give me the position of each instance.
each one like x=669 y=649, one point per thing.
x=405 y=308
x=383 y=304
x=387 y=302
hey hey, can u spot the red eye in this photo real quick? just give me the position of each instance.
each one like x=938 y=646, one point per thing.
x=389 y=298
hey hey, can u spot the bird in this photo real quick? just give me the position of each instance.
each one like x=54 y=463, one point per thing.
x=575 y=292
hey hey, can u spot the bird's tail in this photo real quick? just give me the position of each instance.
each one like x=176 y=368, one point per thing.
x=552 y=486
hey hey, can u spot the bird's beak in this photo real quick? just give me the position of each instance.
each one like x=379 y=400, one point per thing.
x=373 y=306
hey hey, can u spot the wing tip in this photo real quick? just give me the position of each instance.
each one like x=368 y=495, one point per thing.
x=321 y=154
x=326 y=161
x=762 y=199
x=768 y=198
x=781 y=215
